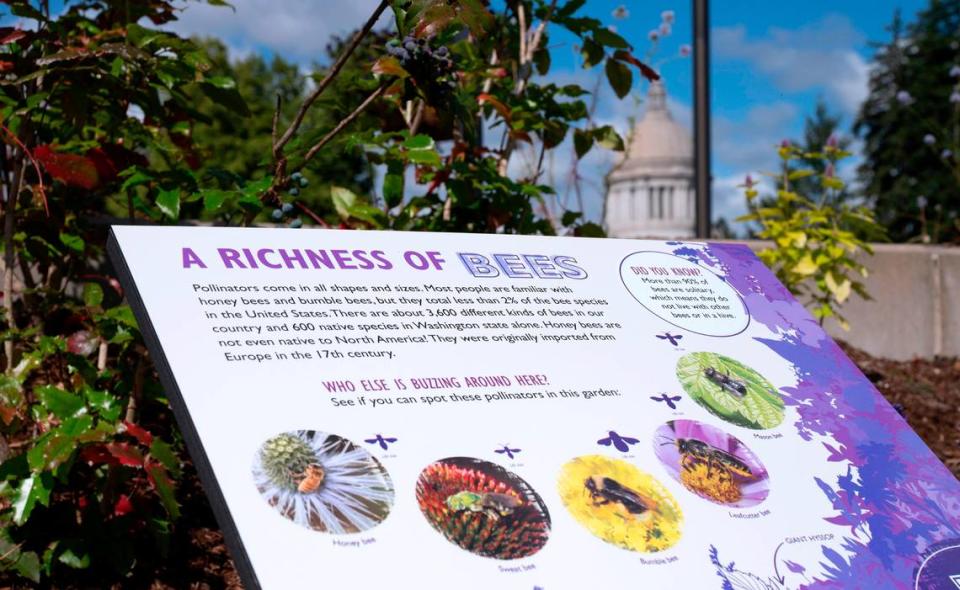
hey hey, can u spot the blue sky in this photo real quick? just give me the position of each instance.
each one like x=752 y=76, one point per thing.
x=771 y=61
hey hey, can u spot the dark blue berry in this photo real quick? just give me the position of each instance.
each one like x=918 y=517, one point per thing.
x=294 y=191
x=277 y=214
x=296 y=223
x=287 y=208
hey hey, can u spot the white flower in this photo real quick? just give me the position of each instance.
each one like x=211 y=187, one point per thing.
x=894 y=172
x=904 y=98
x=946 y=154
x=356 y=493
x=668 y=16
x=955 y=71
x=921 y=201
x=929 y=139
x=955 y=96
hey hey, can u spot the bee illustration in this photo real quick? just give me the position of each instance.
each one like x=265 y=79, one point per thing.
x=694 y=452
x=726 y=382
x=606 y=490
x=311 y=479
x=492 y=504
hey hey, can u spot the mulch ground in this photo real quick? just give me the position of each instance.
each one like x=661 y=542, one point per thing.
x=926 y=391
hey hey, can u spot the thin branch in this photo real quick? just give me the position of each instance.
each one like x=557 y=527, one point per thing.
x=311 y=214
x=328 y=79
x=9 y=253
x=137 y=390
x=418 y=117
x=276 y=120
x=342 y=125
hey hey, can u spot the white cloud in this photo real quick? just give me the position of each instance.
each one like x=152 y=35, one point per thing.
x=750 y=144
x=297 y=29
x=818 y=56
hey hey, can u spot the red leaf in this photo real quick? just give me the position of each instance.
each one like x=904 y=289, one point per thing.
x=139 y=433
x=123 y=506
x=645 y=70
x=6 y=66
x=11 y=35
x=70 y=169
x=484 y=98
x=97 y=455
x=126 y=454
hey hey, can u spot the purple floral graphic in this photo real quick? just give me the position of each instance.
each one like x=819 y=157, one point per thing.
x=506 y=450
x=381 y=440
x=621 y=443
x=673 y=338
x=895 y=498
x=670 y=400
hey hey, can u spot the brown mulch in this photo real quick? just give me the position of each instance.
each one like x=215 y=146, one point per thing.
x=928 y=394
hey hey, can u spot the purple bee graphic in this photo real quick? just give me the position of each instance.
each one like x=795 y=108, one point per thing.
x=667 y=399
x=621 y=443
x=506 y=450
x=674 y=339
x=381 y=440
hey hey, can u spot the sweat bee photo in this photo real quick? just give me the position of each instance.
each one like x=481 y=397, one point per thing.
x=483 y=508
x=711 y=463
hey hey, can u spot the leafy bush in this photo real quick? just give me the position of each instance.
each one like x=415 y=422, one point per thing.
x=817 y=244
x=105 y=118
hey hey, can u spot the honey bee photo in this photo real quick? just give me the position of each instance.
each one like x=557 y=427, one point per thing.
x=730 y=390
x=620 y=504
x=483 y=508
x=323 y=482
x=711 y=463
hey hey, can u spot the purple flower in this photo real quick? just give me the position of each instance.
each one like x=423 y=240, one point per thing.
x=921 y=201
x=749 y=182
x=946 y=154
x=904 y=98
x=667 y=16
x=955 y=97
x=955 y=71
x=665 y=29
x=929 y=139
x=832 y=142
x=831 y=171
x=621 y=12
x=685 y=50
x=653 y=35
x=785 y=143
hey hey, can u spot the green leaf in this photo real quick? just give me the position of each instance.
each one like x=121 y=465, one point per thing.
x=11 y=398
x=592 y=53
x=229 y=98
x=570 y=217
x=92 y=294
x=71 y=241
x=393 y=184
x=389 y=66
x=610 y=39
x=163 y=453
x=426 y=157
x=607 y=137
x=222 y=82
x=620 y=77
x=343 y=199
x=60 y=403
x=806 y=266
x=33 y=489
x=213 y=200
x=57 y=445
x=419 y=142
x=70 y=558
x=163 y=486
x=541 y=61
x=570 y=7
x=582 y=142
x=168 y=201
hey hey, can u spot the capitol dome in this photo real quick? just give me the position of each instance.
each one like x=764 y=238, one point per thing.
x=650 y=189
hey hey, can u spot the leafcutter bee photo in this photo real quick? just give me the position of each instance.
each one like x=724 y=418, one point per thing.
x=711 y=463
x=620 y=504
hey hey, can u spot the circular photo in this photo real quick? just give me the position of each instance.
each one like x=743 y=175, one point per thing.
x=730 y=390
x=483 y=508
x=711 y=463
x=620 y=504
x=323 y=482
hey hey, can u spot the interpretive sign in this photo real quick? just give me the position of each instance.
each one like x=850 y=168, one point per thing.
x=377 y=410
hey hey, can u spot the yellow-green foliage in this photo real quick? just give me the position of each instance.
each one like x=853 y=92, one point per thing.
x=819 y=238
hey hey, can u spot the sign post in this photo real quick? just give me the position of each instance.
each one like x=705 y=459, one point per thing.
x=476 y=411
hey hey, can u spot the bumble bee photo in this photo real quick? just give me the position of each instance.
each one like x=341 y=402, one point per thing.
x=620 y=504
x=483 y=508
x=711 y=463
x=323 y=482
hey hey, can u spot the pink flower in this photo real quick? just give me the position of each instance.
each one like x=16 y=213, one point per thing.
x=668 y=16
x=653 y=35
x=665 y=29
x=685 y=50
x=832 y=142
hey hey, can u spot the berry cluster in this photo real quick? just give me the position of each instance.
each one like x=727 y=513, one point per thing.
x=431 y=68
x=297 y=181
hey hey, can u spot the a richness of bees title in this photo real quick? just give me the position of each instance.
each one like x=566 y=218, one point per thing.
x=512 y=266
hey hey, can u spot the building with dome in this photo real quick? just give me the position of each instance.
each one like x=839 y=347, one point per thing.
x=650 y=191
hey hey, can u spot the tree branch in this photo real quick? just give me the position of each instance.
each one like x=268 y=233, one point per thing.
x=342 y=125
x=327 y=80
x=311 y=214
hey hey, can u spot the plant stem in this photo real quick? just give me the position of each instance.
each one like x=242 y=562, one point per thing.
x=327 y=80
x=9 y=256
x=342 y=125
